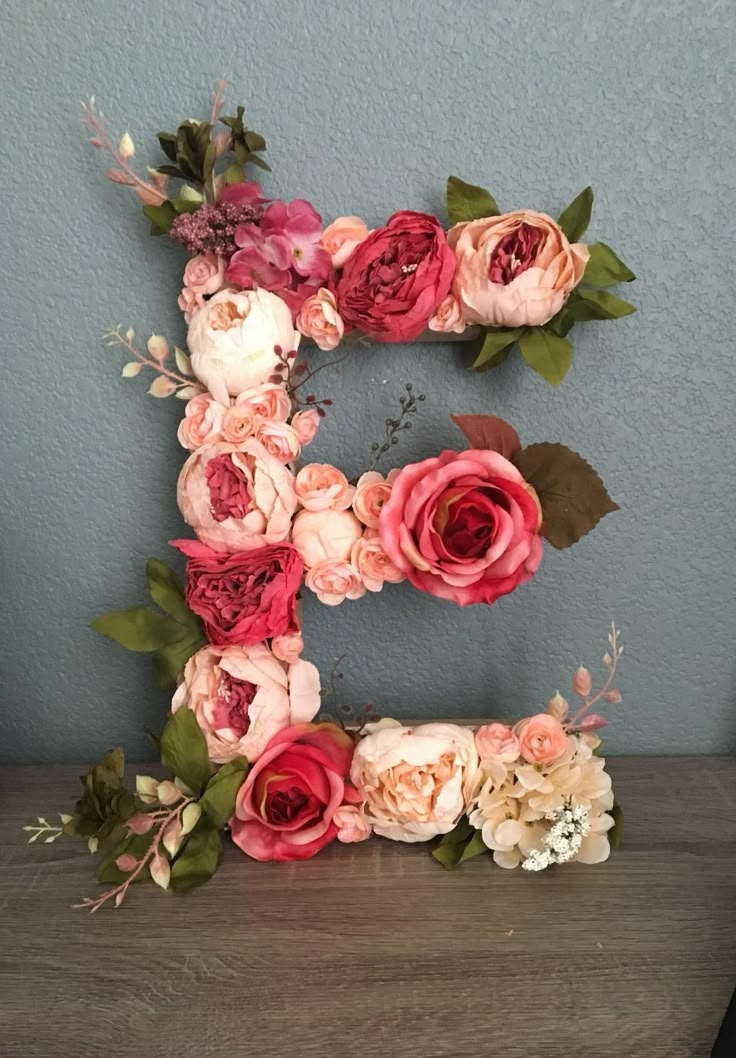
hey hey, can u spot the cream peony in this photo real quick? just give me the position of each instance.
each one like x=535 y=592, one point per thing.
x=325 y=536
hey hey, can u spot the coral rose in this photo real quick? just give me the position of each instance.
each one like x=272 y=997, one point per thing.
x=333 y=581
x=322 y=536
x=285 y=809
x=371 y=493
x=242 y=696
x=415 y=782
x=341 y=237
x=279 y=439
x=542 y=738
x=288 y=648
x=267 y=401
x=515 y=270
x=202 y=423
x=497 y=742
x=322 y=487
x=449 y=317
x=319 y=320
x=463 y=526
x=306 y=424
x=238 y=423
x=236 y=497
x=394 y=280
x=372 y=563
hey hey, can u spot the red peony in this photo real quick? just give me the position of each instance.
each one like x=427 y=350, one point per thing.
x=396 y=277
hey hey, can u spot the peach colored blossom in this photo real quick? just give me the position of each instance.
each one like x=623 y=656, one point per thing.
x=372 y=562
x=325 y=536
x=306 y=424
x=333 y=581
x=189 y=301
x=515 y=270
x=341 y=237
x=204 y=273
x=351 y=824
x=497 y=742
x=238 y=423
x=319 y=320
x=288 y=647
x=322 y=487
x=542 y=738
x=371 y=494
x=202 y=423
x=279 y=439
x=268 y=401
x=449 y=317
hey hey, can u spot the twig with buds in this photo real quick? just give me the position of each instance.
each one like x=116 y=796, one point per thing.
x=45 y=828
x=582 y=684
x=409 y=406
x=168 y=381
x=122 y=174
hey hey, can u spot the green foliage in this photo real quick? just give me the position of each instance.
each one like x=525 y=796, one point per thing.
x=191 y=151
x=616 y=833
x=137 y=629
x=495 y=346
x=468 y=202
x=575 y=219
x=184 y=750
x=546 y=353
x=200 y=856
x=604 y=268
x=246 y=144
x=460 y=845
x=167 y=591
x=105 y=803
x=161 y=217
x=218 y=800
x=136 y=845
x=587 y=303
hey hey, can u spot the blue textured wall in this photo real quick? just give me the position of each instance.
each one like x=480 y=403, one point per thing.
x=367 y=107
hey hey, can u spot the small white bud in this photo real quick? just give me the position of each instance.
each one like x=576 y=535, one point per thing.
x=126 y=147
x=167 y=793
x=190 y=818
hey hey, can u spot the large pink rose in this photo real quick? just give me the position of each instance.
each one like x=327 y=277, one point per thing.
x=236 y=496
x=243 y=598
x=396 y=277
x=515 y=270
x=285 y=809
x=242 y=696
x=463 y=526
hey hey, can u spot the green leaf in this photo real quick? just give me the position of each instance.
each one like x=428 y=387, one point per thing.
x=218 y=800
x=234 y=174
x=475 y=847
x=135 y=844
x=170 y=659
x=200 y=856
x=587 y=303
x=495 y=347
x=185 y=205
x=468 y=202
x=616 y=833
x=547 y=354
x=575 y=219
x=572 y=495
x=461 y=844
x=136 y=629
x=168 y=144
x=161 y=217
x=168 y=592
x=460 y=833
x=604 y=268
x=184 y=750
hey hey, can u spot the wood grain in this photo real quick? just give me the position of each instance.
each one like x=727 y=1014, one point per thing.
x=374 y=950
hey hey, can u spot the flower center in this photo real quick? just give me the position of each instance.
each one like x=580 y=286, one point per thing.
x=516 y=252
x=229 y=495
x=236 y=697
x=224 y=316
x=286 y=805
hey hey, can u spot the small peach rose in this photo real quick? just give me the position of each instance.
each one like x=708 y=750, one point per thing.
x=325 y=536
x=279 y=439
x=372 y=562
x=288 y=647
x=204 y=273
x=334 y=580
x=497 y=742
x=371 y=493
x=321 y=487
x=306 y=424
x=268 y=401
x=542 y=738
x=448 y=317
x=202 y=422
x=319 y=320
x=238 y=423
x=189 y=301
x=341 y=237
x=351 y=824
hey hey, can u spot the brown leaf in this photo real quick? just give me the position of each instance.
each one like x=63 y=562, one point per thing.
x=572 y=495
x=490 y=432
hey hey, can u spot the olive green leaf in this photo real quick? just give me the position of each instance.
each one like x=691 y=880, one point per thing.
x=168 y=661
x=547 y=354
x=105 y=803
x=246 y=145
x=136 y=845
x=616 y=833
x=575 y=219
x=495 y=346
x=461 y=844
x=587 y=303
x=136 y=629
x=570 y=491
x=218 y=800
x=167 y=591
x=161 y=217
x=200 y=856
x=468 y=202
x=184 y=750
x=604 y=268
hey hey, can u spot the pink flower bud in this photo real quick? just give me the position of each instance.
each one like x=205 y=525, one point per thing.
x=140 y=824
x=126 y=862
x=613 y=696
x=592 y=722
x=160 y=871
x=558 y=707
x=118 y=177
x=172 y=837
x=582 y=682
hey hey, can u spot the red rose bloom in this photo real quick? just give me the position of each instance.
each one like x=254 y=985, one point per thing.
x=285 y=808
x=396 y=277
x=245 y=597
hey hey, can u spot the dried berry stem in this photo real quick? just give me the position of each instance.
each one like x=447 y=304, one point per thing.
x=409 y=406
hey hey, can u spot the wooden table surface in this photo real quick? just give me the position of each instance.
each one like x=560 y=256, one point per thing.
x=375 y=950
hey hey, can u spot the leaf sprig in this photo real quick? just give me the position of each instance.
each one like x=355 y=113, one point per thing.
x=168 y=382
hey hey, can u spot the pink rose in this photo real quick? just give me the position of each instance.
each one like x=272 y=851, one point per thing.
x=322 y=487
x=306 y=424
x=341 y=237
x=542 y=738
x=463 y=526
x=351 y=824
x=325 y=536
x=319 y=320
x=242 y=696
x=288 y=647
x=371 y=494
x=238 y=423
x=515 y=270
x=497 y=742
x=246 y=597
x=279 y=439
x=189 y=301
x=448 y=317
x=202 y=423
x=333 y=581
x=372 y=562
x=268 y=401
x=204 y=273
x=285 y=809
x=394 y=280
x=236 y=497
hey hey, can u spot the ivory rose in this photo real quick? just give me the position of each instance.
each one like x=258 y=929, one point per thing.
x=449 y=317
x=306 y=424
x=333 y=581
x=322 y=487
x=463 y=526
x=341 y=237
x=236 y=497
x=542 y=738
x=242 y=696
x=319 y=320
x=233 y=337
x=497 y=742
x=279 y=439
x=202 y=422
x=325 y=536
x=372 y=563
x=371 y=493
x=415 y=782
x=516 y=270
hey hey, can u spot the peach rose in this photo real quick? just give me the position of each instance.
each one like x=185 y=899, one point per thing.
x=269 y=401
x=236 y=497
x=322 y=487
x=497 y=742
x=279 y=439
x=202 y=423
x=515 y=270
x=542 y=738
x=341 y=237
x=371 y=493
x=189 y=302
x=372 y=562
x=415 y=782
x=325 y=536
x=288 y=647
x=448 y=317
x=242 y=696
x=238 y=423
x=204 y=273
x=319 y=320
x=333 y=581
x=351 y=824
x=306 y=424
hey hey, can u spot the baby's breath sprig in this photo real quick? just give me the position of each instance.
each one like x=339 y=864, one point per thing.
x=409 y=406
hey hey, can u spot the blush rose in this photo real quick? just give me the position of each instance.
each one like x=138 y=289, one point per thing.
x=322 y=536
x=542 y=738
x=341 y=237
x=203 y=422
x=319 y=320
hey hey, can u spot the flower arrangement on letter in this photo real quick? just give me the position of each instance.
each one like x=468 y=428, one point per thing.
x=245 y=744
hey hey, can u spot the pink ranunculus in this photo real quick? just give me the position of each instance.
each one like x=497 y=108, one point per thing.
x=516 y=270
x=279 y=439
x=392 y=283
x=449 y=317
x=341 y=237
x=204 y=273
x=285 y=809
x=463 y=526
x=236 y=497
x=319 y=320
x=289 y=647
x=268 y=401
x=189 y=301
x=351 y=824
x=242 y=696
x=306 y=424
x=246 y=597
x=371 y=494
x=333 y=581
x=372 y=562
x=322 y=487
x=497 y=742
x=542 y=738
x=202 y=423
x=238 y=423
x=325 y=536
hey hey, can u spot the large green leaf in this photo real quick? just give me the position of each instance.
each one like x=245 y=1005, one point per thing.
x=604 y=268
x=184 y=750
x=218 y=800
x=168 y=592
x=169 y=660
x=461 y=844
x=575 y=219
x=136 y=629
x=547 y=354
x=468 y=202
x=616 y=833
x=136 y=845
x=495 y=347
x=587 y=303
x=161 y=217
x=200 y=856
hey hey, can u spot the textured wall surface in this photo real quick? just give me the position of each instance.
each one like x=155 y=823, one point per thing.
x=367 y=107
